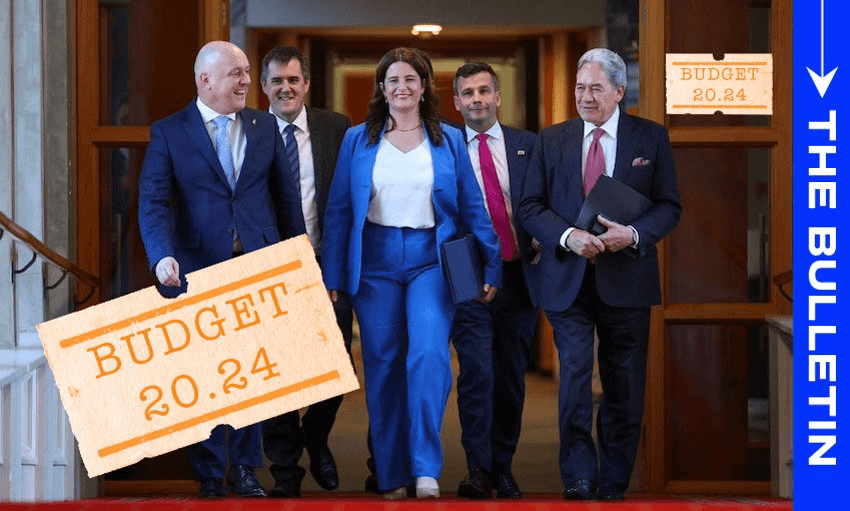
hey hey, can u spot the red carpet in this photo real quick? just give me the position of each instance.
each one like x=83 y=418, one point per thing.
x=372 y=503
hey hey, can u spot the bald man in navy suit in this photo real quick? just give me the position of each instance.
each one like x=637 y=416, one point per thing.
x=215 y=184
x=605 y=283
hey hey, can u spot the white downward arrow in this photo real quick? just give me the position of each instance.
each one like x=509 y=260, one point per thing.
x=821 y=82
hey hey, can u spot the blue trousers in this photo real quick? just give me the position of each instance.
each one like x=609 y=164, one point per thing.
x=623 y=338
x=404 y=310
x=493 y=342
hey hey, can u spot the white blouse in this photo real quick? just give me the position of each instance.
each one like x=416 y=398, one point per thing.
x=402 y=184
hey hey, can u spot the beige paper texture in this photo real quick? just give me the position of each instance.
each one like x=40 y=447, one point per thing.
x=740 y=84
x=253 y=338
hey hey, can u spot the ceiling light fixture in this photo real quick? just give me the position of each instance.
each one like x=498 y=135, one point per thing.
x=426 y=30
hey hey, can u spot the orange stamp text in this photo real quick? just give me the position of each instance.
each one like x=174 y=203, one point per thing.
x=142 y=375
x=740 y=84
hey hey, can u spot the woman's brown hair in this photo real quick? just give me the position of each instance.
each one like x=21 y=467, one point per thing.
x=378 y=113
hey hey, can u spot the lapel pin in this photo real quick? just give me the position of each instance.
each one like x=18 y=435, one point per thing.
x=254 y=121
x=520 y=152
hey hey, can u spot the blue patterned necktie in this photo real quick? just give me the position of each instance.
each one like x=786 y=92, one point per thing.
x=222 y=147
x=292 y=154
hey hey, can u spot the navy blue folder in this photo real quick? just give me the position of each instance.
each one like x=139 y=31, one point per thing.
x=463 y=270
x=614 y=200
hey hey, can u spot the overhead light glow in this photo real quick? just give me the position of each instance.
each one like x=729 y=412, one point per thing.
x=426 y=30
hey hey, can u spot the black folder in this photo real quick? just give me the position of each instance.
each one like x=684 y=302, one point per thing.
x=462 y=265
x=614 y=200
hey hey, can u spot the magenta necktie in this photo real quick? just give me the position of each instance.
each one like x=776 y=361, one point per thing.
x=595 y=164
x=495 y=199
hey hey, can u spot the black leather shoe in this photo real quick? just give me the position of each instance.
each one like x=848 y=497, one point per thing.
x=286 y=489
x=323 y=468
x=242 y=481
x=371 y=484
x=506 y=487
x=580 y=489
x=476 y=485
x=211 y=489
x=610 y=495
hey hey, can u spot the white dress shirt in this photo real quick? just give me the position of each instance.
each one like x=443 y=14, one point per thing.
x=307 y=174
x=496 y=143
x=238 y=142
x=608 y=141
x=235 y=134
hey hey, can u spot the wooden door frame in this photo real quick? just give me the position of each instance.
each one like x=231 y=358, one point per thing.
x=654 y=44
x=92 y=135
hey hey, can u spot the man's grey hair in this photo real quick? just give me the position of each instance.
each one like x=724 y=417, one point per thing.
x=611 y=63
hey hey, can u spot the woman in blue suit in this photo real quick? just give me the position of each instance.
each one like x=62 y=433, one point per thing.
x=403 y=184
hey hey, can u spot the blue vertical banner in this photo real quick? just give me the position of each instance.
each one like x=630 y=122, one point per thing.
x=821 y=237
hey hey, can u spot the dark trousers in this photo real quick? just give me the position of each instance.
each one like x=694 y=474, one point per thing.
x=286 y=436
x=623 y=336
x=225 y=446
x=492 y=342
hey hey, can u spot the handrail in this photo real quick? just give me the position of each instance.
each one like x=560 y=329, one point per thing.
x=39 y=248
x=780 y=279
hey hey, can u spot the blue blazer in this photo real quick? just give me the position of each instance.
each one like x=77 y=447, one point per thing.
x=553 y=197
x=457 y=199
x=188 y=211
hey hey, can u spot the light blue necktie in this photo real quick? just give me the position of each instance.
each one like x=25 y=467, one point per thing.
x=292 y=154
x=222 y=147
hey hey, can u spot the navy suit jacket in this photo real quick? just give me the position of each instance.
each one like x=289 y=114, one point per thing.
x=188 y=211
x=553 y=197
x=458 y=207
x=519 y=145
